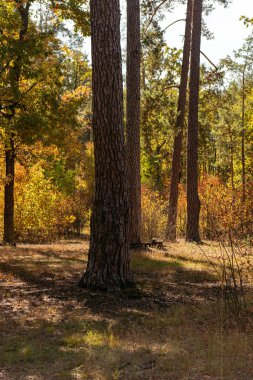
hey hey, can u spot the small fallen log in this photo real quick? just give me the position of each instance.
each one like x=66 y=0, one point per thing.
x=154 y=243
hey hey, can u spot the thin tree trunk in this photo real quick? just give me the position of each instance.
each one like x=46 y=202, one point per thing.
x=133 y=82
x=243 y=140
x=108 y=260
x=232 y=169
x=9 y=235
x=193 y=202
x=143 y=72
x=232 y=162
x=177 y=149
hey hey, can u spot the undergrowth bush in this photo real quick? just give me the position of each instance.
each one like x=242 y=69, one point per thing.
x=53 y=194
x=154 y=214
x=42 y=212
x=222 y=209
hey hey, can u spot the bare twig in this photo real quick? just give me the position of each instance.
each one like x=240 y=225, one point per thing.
x=175 y=22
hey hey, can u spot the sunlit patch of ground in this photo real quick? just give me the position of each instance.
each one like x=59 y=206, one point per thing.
x=167 y=328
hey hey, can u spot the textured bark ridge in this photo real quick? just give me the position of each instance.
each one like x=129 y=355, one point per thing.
x=193 y=202
x=9 y=235
x=108 y=261
x=177 y=149
x=133 y=119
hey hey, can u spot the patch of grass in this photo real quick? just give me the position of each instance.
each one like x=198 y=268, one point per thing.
x=74 y=340
x=195 y=276
x=95 y=339
x=92 y=339
x=27 y=350
x=144 y=262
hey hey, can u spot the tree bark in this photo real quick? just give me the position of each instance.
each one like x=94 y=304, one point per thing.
x=243 y=140
x=193 y=202
x=9 y=234
x=133 y=82
x=108 y=259
x=177 y=149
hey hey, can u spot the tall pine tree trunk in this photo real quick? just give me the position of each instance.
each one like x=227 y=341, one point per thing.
x=133 y=119
x=177 y=149
x=193 y=202
x=108 y=261
x=9 y=235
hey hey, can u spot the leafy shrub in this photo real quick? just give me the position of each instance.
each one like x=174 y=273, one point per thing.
x=154 y=215
x=42 y=212
x=222 y=209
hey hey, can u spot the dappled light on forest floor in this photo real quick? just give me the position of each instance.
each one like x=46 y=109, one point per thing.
x=167 y=327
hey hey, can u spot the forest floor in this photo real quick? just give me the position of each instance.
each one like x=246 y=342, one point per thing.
x=167 y=328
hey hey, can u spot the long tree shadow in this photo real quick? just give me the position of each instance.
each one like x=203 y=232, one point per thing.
x=50 y=253
x=186 y=259
x=159 y=284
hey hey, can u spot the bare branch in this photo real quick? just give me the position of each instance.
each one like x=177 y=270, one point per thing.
x=216 y=68
x=167 y=27
x=171 y=86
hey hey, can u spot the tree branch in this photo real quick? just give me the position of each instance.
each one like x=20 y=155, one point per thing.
x=216 y=68
x=32 y=86
x=154 y=13
x=172 y=86
x=167 y=27
x=7 y=65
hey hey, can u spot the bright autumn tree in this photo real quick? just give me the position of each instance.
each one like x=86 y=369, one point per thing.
x=133 y=83
x=31 y=89
x=11 y=100
x=108 y=260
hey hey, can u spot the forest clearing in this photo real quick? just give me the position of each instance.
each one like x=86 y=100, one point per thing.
x=167 y=327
